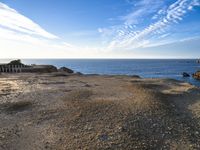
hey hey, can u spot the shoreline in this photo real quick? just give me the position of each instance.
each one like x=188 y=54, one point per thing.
x=125 y=75
x=54 y=66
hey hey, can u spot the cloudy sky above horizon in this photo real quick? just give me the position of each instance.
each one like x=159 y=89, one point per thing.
x=100 y=29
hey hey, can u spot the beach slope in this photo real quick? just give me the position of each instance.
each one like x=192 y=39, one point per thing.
x=61 y=111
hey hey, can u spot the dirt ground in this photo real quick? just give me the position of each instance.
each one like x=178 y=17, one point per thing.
x=67 y=112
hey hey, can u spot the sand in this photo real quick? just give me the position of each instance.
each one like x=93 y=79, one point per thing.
x=58 y=111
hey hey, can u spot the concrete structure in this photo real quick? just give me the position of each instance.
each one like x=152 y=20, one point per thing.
x=16 y=66
x=7 y=68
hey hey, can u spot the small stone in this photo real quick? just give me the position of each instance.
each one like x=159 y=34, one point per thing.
x=103 y=137
x=2 y=136
x=154 y=125
x=196 y=132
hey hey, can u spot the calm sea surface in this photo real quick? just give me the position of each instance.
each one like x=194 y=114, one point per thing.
x=156 y=68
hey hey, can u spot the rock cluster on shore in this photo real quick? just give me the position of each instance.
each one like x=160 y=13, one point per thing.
x=67 y=70
x=41 y=69
x=15 y=62
x=197 y=75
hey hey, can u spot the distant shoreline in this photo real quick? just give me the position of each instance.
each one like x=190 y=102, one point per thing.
x=144 y=68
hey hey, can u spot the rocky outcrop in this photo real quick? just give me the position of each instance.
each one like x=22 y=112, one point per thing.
x=67 y=70
x=197 y=75
x=79 y=73
x=16 y=62
x=40 y=69
x=185 y=74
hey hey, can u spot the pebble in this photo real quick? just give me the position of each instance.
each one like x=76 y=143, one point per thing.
x=103 y=137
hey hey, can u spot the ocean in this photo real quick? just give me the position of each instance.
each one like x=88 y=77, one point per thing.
x=146 y=68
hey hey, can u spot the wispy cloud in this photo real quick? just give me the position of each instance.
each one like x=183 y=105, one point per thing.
x=141 y=9
x=128 y=37
x=13 y=20
x=20 y=37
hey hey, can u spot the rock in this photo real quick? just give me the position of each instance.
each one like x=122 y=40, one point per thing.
x=15 y=62
x=196 y=132
x=103 y=137
x=60 y=74
x=67 y=70
x=198 y=61
x=136 y=76
x=79 y=73
x=197 y=75
x=40 y=69
x=185 y=74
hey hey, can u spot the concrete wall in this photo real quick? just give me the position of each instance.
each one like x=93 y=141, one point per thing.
x=32 y=69
x=11 y=68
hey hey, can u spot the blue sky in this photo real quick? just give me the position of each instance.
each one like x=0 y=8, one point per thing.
x=100 y=28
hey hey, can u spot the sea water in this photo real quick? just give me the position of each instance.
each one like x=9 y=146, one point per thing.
x=146 y=68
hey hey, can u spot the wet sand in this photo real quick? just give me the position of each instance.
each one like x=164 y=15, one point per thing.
x=59 y=112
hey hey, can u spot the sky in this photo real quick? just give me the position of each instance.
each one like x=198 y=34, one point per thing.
x=100 y=29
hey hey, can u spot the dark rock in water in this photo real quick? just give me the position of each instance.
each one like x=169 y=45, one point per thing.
x=67 y=70
x=135 y=76
x=197 y=75
x=198 y=61
x=185 y=74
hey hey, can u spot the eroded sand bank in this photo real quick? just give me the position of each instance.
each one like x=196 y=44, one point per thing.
x=58 y=111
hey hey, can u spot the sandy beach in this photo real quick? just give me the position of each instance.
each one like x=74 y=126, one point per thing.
x=58 y=111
